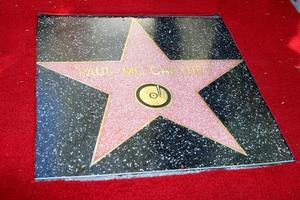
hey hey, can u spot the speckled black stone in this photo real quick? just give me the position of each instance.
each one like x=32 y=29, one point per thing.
x=68 y=121
x=99 y=38
x=69 y=113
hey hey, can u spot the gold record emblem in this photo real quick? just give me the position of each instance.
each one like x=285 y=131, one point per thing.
x=153 y=95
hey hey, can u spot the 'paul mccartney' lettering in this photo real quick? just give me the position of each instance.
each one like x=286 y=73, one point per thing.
x=95 y=71
x=137 y=71
x=128 y=71
x=162 y=70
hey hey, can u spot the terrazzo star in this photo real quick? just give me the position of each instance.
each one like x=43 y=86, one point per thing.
x=135 y=101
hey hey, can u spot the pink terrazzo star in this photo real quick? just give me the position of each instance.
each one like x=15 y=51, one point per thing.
x=143 y=62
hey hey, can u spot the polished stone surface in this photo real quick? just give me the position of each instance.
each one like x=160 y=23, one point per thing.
x=69 y=113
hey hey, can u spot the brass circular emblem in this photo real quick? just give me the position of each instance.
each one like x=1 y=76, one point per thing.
x=153 y=95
